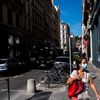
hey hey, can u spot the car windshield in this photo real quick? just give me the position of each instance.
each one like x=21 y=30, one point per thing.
x=62 y=59
x=2 y=61
x=13 y=61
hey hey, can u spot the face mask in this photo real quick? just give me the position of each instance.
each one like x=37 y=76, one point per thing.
x=84 y=66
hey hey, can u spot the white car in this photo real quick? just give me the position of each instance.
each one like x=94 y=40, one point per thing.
x=9 y=64
x=3 y=65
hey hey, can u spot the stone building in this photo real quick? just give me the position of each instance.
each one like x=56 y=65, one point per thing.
x=91 y=27
x=55 y=34
x=64 y=36
x=13 y=28
x=25 y=26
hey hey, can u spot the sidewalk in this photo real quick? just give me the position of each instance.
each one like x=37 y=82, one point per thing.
x=95 y=71
x=55 y=92
x=58 y=91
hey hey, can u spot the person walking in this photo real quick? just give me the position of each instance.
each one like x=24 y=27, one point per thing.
x=85 y=77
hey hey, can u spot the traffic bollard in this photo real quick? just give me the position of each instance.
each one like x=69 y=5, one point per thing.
x=31 y=86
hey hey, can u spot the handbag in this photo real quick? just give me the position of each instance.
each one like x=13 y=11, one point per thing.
x=75 y=88
x=80 y=87
x=71 y=89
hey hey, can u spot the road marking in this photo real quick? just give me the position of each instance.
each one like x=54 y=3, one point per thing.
x=39 y=83
x=18 y=76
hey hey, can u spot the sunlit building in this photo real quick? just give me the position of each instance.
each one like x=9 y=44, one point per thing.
x=64 y=36
x=91 y=28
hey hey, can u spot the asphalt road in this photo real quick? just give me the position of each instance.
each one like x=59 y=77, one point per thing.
x=18 y=83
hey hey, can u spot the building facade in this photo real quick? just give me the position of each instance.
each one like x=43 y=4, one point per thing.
x=56 y=28
x=25 y=26
x=12 y=28
x=91 y=26
x=64 y=36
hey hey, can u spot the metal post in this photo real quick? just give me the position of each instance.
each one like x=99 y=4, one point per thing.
x=70 y=54
x=48 y=82
x=8 y=88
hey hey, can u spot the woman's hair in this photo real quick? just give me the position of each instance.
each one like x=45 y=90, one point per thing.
x=79 y=62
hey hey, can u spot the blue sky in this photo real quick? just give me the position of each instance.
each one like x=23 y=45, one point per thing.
x=71 y=12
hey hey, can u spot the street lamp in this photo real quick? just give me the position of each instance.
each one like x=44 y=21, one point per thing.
x=70 y=52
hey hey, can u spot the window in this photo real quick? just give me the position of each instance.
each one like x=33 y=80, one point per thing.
x=10 y=40
x=63 y=36
x=33 y=29
x=9 y=13
x=2 y=61
x=63 y=26
x=23 y=22
x=33 y=15
x=1 y=13
x=32 y=2
x=17 y=20
x=23 y=2
x=29 y=24
x=28 y=8
x=63 y=31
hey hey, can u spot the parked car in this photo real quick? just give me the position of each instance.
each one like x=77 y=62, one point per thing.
x=49 y=62
x=41 y=61
x=28 y=63
x=9 y=65
x=62 y=61
x=3 y=65
x=33 y=62
x=45 y=62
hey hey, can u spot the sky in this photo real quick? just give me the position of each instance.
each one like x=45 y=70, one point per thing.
x=71 y=13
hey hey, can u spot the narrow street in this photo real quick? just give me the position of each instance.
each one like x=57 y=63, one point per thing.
x=40 y=35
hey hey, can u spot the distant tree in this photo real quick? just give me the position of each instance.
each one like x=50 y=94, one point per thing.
x=77 y=38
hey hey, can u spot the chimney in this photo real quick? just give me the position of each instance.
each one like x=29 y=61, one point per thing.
x=52 y=1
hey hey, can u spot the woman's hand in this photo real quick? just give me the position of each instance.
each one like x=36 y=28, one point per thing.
x=94 y=88
x=98 y=97
x=78 y=78
x=70 y=80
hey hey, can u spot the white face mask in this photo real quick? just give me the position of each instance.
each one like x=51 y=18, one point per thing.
x=84 y=66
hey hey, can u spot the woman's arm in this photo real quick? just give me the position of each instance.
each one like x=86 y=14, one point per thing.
x=72 y=77
x=94 y=88
x=70 y=80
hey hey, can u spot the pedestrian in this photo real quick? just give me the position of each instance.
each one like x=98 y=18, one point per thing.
x=84 y=55
x=85 y=77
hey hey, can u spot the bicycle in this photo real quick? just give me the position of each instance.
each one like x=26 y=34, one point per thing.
x=55 y=76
